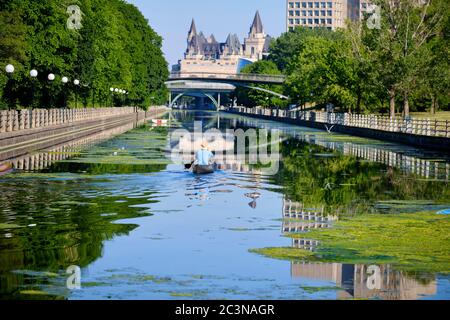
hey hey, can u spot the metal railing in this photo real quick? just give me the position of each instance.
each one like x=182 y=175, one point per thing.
x=246 y=77
x=424 y=127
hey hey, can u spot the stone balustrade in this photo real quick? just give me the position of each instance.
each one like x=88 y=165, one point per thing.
x=17 y=120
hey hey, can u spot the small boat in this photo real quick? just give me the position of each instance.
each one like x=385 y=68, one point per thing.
x=203 y=169
x=5 y=167
x=160 y=122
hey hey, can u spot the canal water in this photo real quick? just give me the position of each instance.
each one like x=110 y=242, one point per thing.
x=139 y=226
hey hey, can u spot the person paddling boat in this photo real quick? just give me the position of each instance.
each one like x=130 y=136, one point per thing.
x=203 y=163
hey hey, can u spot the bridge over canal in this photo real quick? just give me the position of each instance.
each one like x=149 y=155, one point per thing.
x=213 y=85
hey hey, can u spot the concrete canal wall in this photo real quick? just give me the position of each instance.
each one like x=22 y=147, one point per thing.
x=54 y=127
x=423 y=137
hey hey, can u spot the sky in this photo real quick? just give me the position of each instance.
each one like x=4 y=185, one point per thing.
x=172 y=19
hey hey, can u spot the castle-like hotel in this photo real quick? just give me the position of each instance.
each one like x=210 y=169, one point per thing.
x=207 y=55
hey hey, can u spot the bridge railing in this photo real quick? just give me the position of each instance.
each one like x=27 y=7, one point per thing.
x=226 y=76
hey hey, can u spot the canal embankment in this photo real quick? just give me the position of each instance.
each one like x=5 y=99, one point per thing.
x=422 y=133
x=25 y=131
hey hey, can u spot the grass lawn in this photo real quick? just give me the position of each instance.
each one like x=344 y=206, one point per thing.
x=440 y=115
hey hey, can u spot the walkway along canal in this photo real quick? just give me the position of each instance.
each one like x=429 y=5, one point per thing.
x=423 y=133
x=343 y=218
x=25 y=131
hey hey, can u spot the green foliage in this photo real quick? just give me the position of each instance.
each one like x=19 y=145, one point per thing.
x=251 y=97
x=114 y=48
x=285 y=48
x=318 y=179
x=417 y=242
x=366 y=69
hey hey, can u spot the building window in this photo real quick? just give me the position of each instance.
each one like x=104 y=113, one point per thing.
x=323 y=13
x=303 y=4
x=303 y=21
x=297 y=4
x=322 y=21
x=330 y=13
x=291 y=5
x=310 y=21
x=316 y=13
x=310 y=13
x=316 y=21
x=297 y=13
x=291 y=13
x=310 y=4
x=291 y=21
x=329 y=21
x=330 y=4
x=304 y=13
x=316 y=5
x=297 y=21
x=323 y=5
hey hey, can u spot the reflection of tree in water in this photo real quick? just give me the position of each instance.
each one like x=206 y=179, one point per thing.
x=354 y=185
x=62 y=222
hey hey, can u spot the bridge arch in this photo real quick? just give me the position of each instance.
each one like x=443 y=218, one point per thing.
x=209 y=96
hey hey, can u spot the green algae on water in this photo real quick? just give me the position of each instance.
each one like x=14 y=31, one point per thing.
x=414 y=242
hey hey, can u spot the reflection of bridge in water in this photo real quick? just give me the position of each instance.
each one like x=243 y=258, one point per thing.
x=405 y=159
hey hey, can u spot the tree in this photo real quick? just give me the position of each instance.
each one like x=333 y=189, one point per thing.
x=13 y=47
x=406 y=27
x=252 y=97
x=307 y=73
x=284 y=49
x=115 y=47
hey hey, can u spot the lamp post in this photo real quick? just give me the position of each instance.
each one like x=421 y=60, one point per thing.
x=33 y=75
x=64 y=80
x=112 y=96
x=76 y=82
x=9 y=69
x=123 y=97
x=116 y=90
x=51 y=78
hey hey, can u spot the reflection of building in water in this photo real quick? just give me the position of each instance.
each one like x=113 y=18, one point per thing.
x=405 y=161
x=305 y=244
x=45 y=158
x=297 y=218
x=363 y=282
x=356 y=281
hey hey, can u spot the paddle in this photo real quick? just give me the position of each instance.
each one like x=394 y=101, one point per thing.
x=189 y=166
